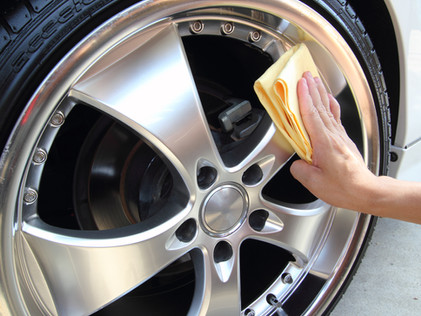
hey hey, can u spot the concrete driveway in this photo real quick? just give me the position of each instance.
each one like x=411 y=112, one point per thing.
x=388 y=281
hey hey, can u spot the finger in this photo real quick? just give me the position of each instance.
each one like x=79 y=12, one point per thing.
x=304 y=99
x=323 y=93
x=312 y=121
x=311 y=118
x=304 y=173
x=313 y=89
x=336 y=111
x=318 y=102
x=335 y=108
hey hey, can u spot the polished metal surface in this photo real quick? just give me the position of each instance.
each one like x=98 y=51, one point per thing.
x=134 y=69
x=224 y=210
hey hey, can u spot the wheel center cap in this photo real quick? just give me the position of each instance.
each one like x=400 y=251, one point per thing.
x=224 y=210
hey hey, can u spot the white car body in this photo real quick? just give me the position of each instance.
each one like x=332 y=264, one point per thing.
x=406 y=17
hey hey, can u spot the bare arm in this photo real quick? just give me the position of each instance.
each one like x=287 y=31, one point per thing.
x=338 y=174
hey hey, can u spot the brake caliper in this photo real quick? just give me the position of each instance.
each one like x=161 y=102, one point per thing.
x=240 y=119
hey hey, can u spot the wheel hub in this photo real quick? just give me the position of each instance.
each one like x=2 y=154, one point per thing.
x=224 y=210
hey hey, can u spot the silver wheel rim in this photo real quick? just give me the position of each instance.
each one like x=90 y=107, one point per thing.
x=109 y=72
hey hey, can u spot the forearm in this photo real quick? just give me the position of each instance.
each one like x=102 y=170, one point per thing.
x=388 y=197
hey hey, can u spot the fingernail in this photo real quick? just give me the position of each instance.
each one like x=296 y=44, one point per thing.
x=309 y=76
x=303 y=83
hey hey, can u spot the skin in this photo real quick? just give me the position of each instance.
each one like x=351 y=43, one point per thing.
x=338 y=174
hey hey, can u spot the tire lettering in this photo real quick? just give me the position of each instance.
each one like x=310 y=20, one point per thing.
x=49 y=29
x=78 y=5
x=35 y=43
x=66 y=14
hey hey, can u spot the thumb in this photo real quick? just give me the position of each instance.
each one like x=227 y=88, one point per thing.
x=303 y=172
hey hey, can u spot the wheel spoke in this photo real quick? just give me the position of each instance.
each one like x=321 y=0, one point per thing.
x=151 y=90
x=297 y=229
x=217 y=285
x=87 y=270
x=270 y=154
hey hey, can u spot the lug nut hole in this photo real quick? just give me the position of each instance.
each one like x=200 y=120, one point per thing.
x=257 y=219
x=206 y=176
x=186 y=231
x=252 y=175
x=222 y=252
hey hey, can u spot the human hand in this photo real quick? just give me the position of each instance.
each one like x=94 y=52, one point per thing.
x=338 y=174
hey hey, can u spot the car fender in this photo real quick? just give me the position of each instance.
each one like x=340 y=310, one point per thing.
x=406 y=149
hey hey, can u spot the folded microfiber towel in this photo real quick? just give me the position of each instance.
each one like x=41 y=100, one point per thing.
x=277 y=91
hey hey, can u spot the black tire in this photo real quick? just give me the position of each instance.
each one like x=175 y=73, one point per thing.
x=35 y=35
x=345 y=19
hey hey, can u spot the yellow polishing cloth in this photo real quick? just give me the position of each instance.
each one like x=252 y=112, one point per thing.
x=277 y=91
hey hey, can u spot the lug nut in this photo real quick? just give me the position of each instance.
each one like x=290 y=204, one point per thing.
x=57 y=119
x=227 y=28
x=30 y=196
x=255 y=36
x=196 y=27
x=40 y=156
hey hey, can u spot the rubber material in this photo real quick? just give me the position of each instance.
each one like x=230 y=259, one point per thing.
x=34 y=36
x=342 y=15
x=346 y=21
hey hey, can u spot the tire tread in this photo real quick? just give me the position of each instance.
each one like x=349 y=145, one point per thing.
x=33 y=36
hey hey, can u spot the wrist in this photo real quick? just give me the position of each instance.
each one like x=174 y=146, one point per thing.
x=368 y=193
x=376 y=195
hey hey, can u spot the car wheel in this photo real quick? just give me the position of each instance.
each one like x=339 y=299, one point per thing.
x=140 y=174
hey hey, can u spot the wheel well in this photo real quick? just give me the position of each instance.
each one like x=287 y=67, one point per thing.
x=378 y=23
